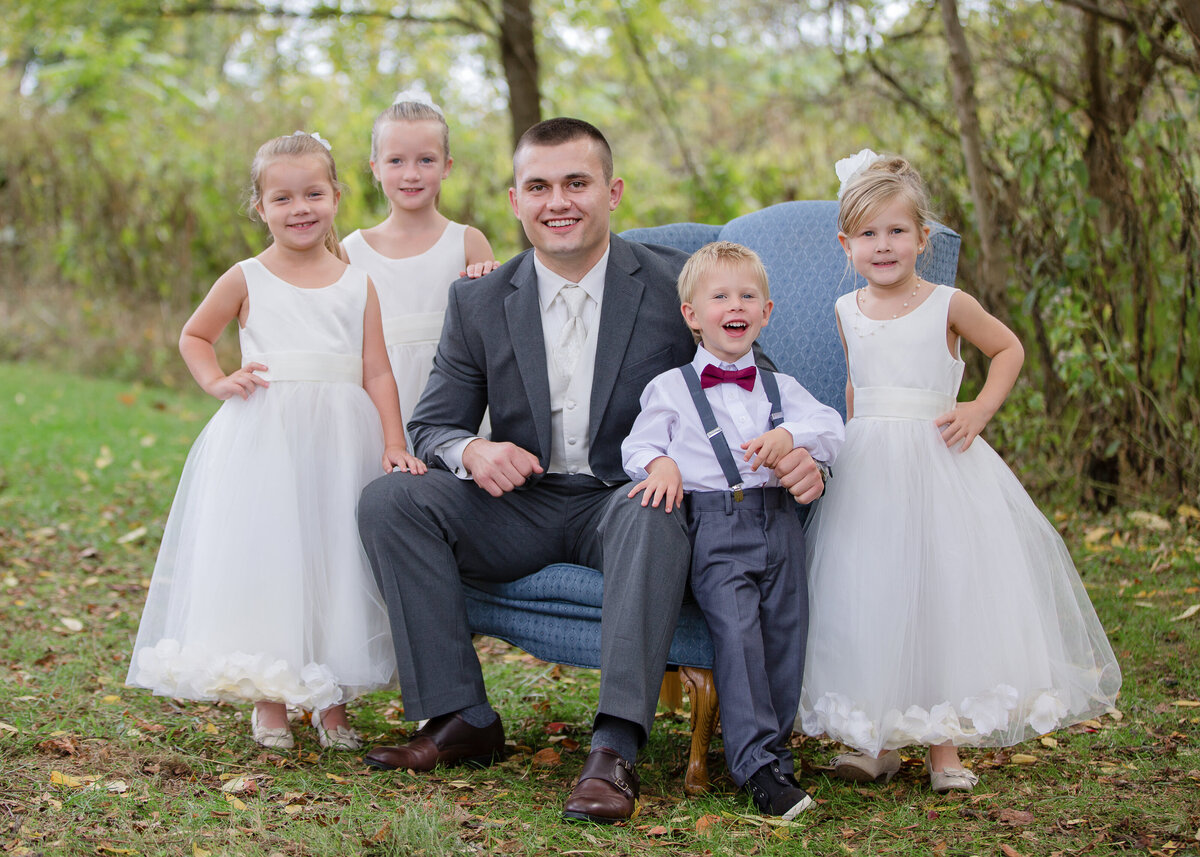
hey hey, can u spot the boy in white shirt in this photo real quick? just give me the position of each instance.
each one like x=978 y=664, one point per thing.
x=713 y=431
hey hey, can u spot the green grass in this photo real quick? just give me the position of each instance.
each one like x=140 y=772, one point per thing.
x=88 y=766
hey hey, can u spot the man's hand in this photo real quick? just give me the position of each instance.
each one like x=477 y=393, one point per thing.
x=498 y=468
x=799 y=474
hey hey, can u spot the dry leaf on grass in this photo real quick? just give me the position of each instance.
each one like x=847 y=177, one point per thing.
x=547 y=757
x=1015 y=816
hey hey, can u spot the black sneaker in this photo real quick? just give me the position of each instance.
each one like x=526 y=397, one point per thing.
x=776 y=793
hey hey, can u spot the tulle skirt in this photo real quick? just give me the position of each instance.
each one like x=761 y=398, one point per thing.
x=262 y=589
x=944 y=606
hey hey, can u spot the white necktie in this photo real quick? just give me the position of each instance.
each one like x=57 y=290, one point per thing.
x=574 y=332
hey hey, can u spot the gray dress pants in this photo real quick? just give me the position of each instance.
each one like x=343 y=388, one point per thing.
x=425 y=535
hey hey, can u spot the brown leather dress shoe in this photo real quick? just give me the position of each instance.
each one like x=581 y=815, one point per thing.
x=445 y=740
x=607 y=790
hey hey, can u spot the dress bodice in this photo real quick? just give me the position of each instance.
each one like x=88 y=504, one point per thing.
x=290 y=329
x=908 y=352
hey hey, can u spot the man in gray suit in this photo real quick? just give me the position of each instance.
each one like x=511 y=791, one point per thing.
x=557 y=344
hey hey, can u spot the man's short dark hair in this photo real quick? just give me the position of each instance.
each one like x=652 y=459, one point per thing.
x=563 y=129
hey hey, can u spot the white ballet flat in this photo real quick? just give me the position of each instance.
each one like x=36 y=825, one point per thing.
x=951 y=779
x=277 y=738
x=863 y=768
x=337 y=738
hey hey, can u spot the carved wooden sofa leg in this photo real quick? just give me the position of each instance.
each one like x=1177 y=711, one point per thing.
x=703 y=695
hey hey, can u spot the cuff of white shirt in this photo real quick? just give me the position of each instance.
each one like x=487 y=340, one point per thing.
x=636 y=466
x=451 y=454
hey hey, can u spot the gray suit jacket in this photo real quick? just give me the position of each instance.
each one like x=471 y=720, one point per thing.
x=492 y=355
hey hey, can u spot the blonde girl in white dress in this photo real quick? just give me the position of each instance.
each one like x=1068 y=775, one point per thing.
x=945 y=609
x=416 y=252
x=262 y=592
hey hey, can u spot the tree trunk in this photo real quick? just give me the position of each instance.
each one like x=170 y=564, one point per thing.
x=966 y=106
x=519 y=56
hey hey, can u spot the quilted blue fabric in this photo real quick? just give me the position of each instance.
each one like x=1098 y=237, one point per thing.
x=688 y=237
x=555 y=614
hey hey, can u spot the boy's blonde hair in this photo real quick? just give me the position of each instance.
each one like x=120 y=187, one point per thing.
x=715 y=255
x=878 y=184
x=297 y=145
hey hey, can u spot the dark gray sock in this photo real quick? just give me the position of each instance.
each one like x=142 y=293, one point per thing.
x=479 y=715
x=617 y=734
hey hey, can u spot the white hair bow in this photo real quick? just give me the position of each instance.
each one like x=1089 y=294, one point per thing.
x=328 y=146
x=848 y=168
x=419 y=97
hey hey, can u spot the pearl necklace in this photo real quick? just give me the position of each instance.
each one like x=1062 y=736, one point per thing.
x=880 y=323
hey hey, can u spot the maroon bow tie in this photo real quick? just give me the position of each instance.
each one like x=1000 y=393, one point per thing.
x=713 y=375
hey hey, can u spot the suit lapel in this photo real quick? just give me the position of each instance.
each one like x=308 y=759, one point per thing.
x=622 y=297
x=524 y=318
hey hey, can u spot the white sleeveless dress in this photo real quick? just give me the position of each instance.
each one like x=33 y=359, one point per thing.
x=412 y=299
x=262 y=589
x=944 y=606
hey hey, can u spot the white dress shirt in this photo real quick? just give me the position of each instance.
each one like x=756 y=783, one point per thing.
x=570 y=403
x=670 y=425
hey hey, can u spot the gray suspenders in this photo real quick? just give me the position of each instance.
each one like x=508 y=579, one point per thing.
x=714 y=432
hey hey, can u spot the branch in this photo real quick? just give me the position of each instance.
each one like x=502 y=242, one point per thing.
x=908 y=98
x=320 y=13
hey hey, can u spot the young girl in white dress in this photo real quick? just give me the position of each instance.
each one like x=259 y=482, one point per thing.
x=946 y=610
x=262 y=591
x=416 y=253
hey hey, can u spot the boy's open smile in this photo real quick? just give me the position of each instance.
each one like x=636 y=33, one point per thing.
x=729 y=310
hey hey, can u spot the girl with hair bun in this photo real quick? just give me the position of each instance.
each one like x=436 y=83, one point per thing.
x=946 y=610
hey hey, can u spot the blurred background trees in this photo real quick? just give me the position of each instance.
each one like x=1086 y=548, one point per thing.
x=1058 y=137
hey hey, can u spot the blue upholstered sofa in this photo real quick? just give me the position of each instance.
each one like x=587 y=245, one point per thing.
x=555 y=613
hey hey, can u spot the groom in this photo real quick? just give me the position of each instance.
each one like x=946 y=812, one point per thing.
x=557 y=343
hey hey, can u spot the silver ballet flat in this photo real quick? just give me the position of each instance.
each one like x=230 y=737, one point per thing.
x=951 y=779
x=859 y=767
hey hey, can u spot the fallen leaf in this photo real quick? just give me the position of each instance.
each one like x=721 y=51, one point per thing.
x=1095 y=724
x=235 y=802
x=1188 y=613
x=197 y=851
x=1185 y=512
x=1047 y=741
x=58 y=778
x=1095 y=534
x=71 y=624
x=110 y=698
x=132 y=536
x=236 y=785
x=547 y=757
x=1187 y=703
x=1149 y=520
x=657 y=830
x=1023 y=759
x=108 y=849
x=117 y=787
x=8 y=728
x=1009 y=851
x=1016 y=816
x=706 y=822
